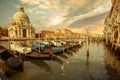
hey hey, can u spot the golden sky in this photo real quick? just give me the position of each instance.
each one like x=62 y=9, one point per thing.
x=77 y=15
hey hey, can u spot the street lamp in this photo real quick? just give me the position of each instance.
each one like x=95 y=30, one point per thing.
x=39 y=42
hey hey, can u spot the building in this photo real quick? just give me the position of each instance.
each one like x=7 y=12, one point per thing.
x=48 y=35
x=75 y=35
x=20 y=26
x=112 y=25
x=81 y=35
x=3 y=32
x=63 y=33
x=59 y=34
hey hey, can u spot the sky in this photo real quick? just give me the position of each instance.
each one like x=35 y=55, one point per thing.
x=76 y=15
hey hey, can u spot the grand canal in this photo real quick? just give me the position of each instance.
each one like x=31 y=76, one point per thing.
x=76 y=64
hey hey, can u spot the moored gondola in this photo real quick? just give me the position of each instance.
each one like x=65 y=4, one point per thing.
x=9 y=60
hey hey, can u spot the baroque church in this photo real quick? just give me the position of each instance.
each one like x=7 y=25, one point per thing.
x=20 y=26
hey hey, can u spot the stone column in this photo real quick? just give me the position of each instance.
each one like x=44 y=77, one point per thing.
x=18 y=35
x=21 y=35
x=27 y=33
x=30 y=32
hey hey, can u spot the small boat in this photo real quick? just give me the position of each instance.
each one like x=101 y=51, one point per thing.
x=14 y=63
x=8 y=59
x=27 y=52
x=34 y=44
x=57 y=48
x=22 y=50
x=44 y=46
x=39 y=55
x=52 y=51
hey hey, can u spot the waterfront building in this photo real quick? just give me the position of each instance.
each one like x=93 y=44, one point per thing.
x=112 y=25
x=59 y=34
x=81 y=35
x=3 y=32
x=75 y=35
x=20 y=26
x=48 y=35
x=63 y=33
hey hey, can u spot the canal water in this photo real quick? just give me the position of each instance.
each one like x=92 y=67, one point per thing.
x=76 y=64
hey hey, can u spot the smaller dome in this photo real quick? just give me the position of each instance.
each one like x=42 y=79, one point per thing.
x=20 y=15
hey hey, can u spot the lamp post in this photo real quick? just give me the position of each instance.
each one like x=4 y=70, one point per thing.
x=106 y=36
x=10 y=38
x=39 y=42
x=9 y=41
x=87 y=41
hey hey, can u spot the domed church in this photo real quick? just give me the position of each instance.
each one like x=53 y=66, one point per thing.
x=20 y=26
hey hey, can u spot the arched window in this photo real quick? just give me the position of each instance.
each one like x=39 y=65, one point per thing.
x=24 y=33
x=116 y=34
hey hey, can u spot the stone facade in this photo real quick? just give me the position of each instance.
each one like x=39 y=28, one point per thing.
x=20 y=26
x=112 y=24
x=63 y=33
x=59 y=34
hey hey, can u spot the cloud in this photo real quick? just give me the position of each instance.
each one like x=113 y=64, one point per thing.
x=40 y=13
x=74 y=13
x=88 y=20
x=79 y=2
x=42 y=6
x=29 y=10
x=31 y=2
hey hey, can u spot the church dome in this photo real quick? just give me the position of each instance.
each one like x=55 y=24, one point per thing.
x=20 y=14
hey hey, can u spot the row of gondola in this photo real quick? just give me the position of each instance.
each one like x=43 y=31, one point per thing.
x=13 y=58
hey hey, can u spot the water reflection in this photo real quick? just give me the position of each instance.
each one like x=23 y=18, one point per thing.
x=97 y=64
x=41 y=64
x=112 y=66
x=25 y=75
x=69 y=53
x=60 y=61
x=18 y=76
x=63 y=56
x=73 y=50
x=87 y=65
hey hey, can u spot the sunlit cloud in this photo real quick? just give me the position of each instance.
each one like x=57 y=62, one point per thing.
x=31 y=2
x=56 y=20
x=43 y=6
x=69 y=13
x=72 y=14
x=40 y=13
x=29 y=10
